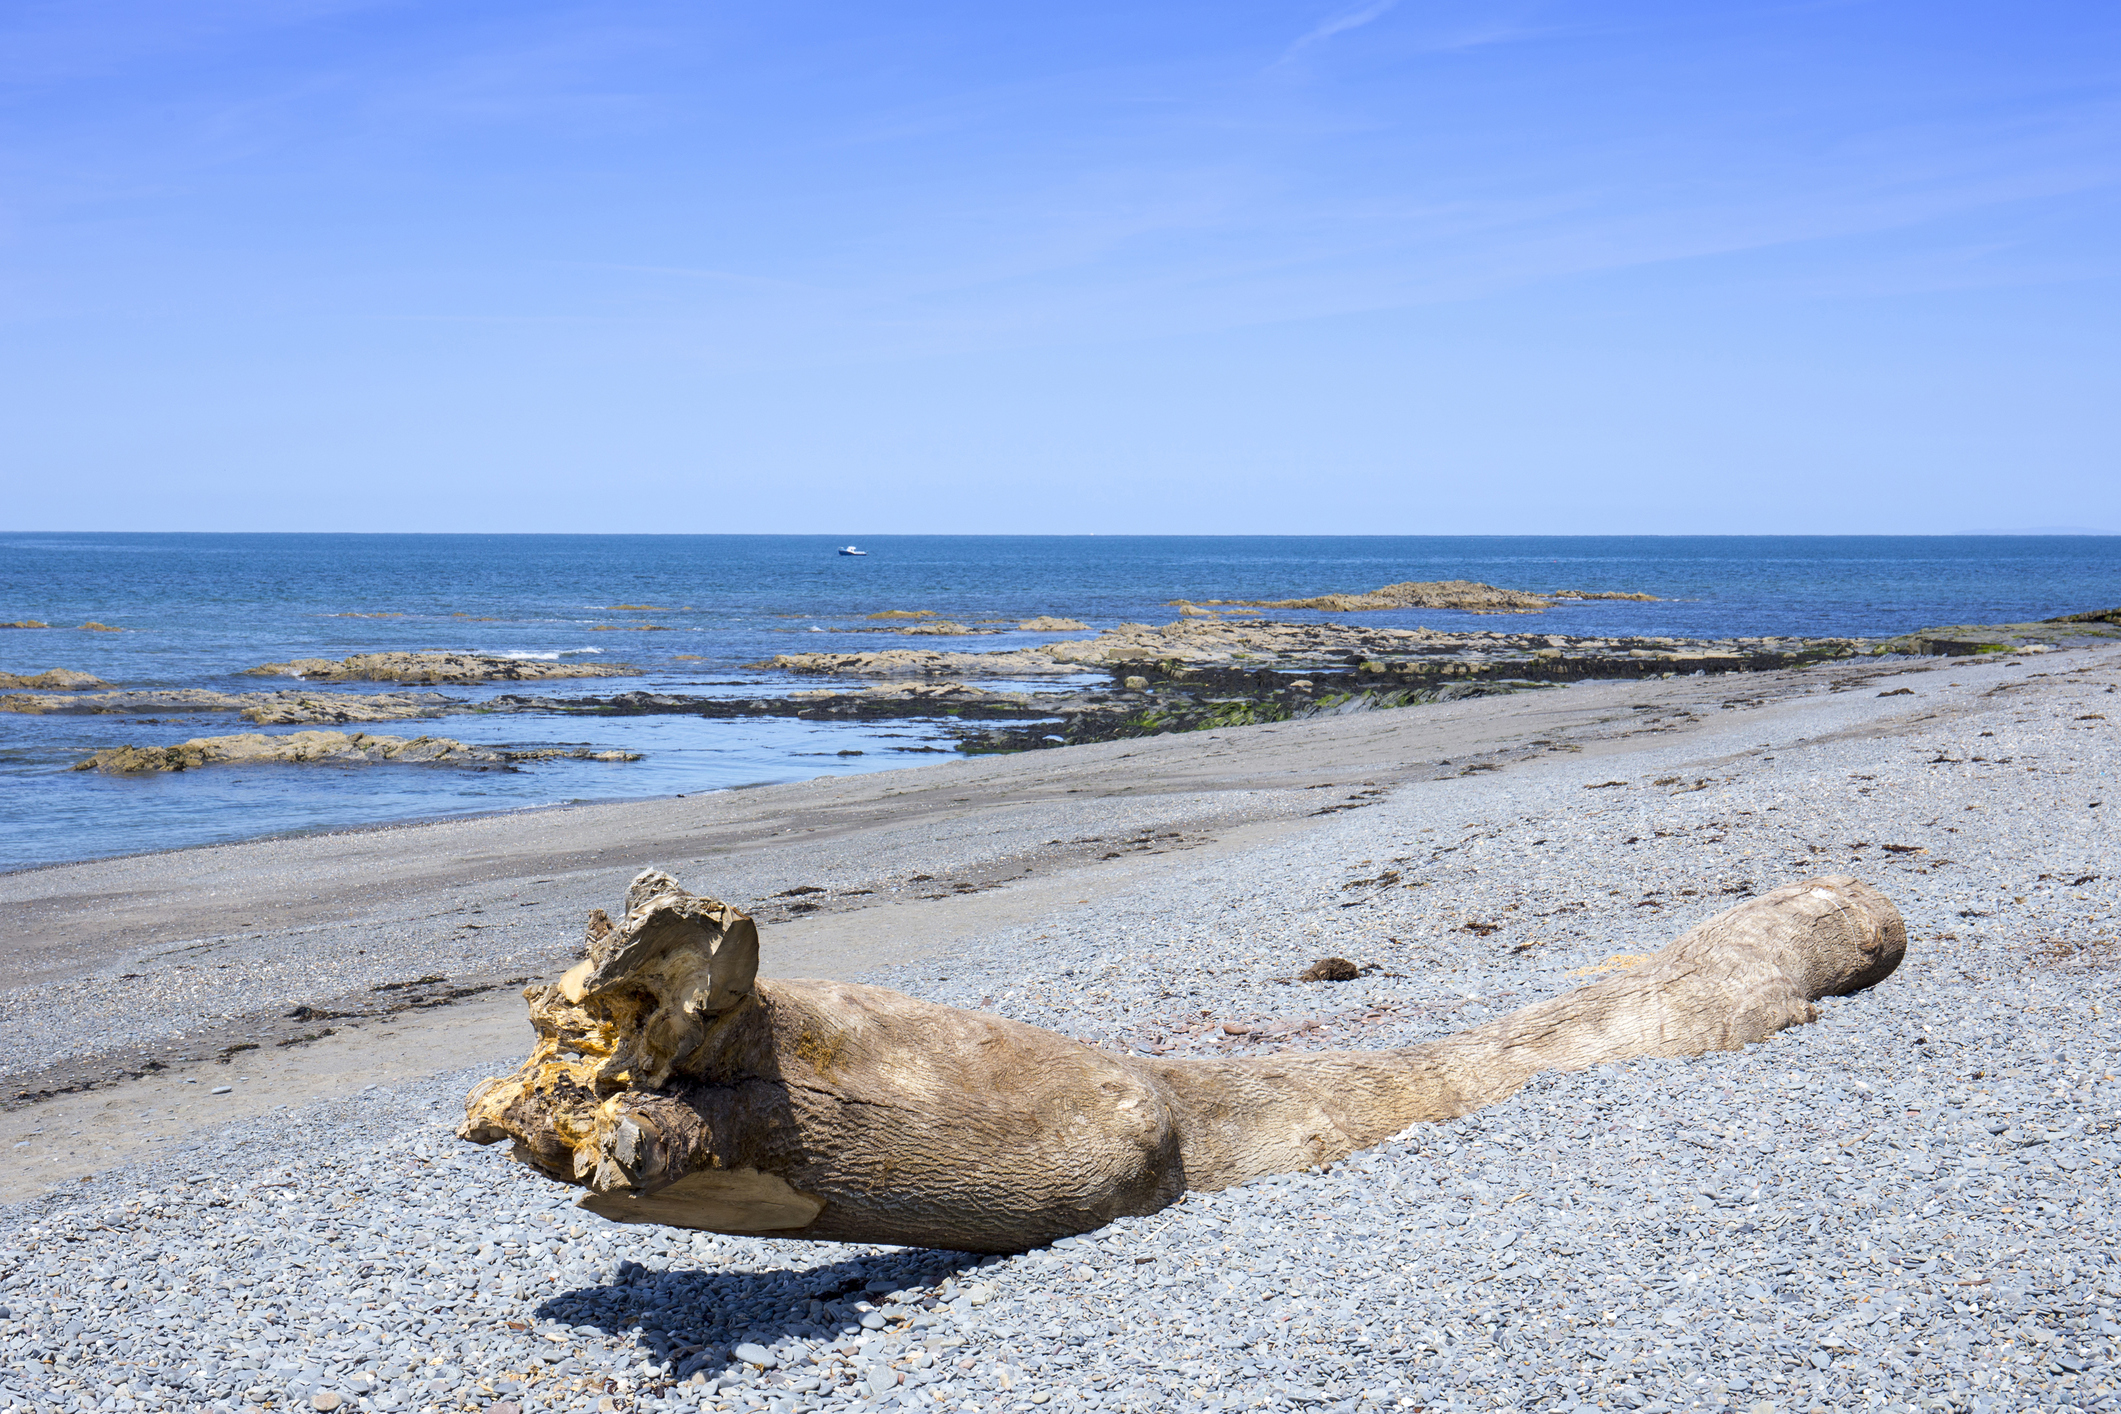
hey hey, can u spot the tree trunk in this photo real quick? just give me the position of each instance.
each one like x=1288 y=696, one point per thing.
x=679 y=1088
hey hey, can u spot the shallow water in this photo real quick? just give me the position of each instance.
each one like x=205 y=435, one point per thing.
x=197 y=609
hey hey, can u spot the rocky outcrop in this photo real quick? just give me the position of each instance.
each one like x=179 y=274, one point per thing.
x=1191 y=676
x=919 y=662
x=91 y=626
x=332 y=747
x=434 y=668
x=287 y=709
x=1046 y=623
x=949 y=701
x=904 y=614
x=1203 y=642
x=1261 y=644
x=947 y=693
x=1217 y=641
x=1967 y=640
x=52 y=680
x=1469 y=596
x=264 y=708
x=1465 y=594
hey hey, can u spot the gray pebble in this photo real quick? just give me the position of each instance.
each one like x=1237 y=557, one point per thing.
x=1905 y=1204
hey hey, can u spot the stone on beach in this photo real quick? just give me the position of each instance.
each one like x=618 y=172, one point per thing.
x=1903 y=1206
x=434 y=668
x=329 y=747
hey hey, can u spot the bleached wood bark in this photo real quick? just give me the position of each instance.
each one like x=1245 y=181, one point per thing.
x=680 y=1088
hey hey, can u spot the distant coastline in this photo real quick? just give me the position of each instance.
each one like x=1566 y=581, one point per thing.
x=2042 y=530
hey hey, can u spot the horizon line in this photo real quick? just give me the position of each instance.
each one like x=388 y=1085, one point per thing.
x=853 y=538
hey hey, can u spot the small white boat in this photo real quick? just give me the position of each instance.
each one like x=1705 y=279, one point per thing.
x=850 y=550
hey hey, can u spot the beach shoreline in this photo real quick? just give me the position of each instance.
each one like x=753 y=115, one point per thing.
x=316 y=923
x=1158 y=895
x=1215 y=675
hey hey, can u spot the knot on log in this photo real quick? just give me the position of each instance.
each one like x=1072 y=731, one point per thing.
x=678 y=1087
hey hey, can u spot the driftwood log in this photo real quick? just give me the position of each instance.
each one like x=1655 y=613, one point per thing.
x=680 y=1088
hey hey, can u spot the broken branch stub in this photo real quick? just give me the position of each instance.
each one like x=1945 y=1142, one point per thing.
x=680 y=1088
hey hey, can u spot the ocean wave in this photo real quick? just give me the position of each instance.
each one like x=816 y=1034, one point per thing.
x=543 y=657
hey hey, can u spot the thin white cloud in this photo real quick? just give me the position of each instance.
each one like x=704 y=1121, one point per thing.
x=1339 y=24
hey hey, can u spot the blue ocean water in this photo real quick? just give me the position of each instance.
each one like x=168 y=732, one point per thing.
x=196 y=609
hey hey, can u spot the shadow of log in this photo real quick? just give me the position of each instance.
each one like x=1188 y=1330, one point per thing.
x=694 y=1319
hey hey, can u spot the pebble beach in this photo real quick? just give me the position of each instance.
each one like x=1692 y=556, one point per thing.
x=1905 y=1205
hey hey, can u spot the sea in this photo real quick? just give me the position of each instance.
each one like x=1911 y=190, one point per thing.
x=691 y=613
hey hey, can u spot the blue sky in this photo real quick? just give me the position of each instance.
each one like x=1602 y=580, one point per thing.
x=1219 y=268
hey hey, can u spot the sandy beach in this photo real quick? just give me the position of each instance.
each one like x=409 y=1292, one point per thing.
x=1827 y=1220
